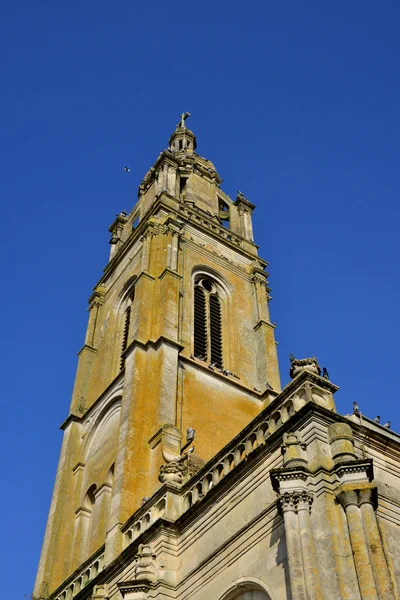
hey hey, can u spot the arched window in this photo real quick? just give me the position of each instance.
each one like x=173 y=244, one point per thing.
x=246 y=590
x=207 y=322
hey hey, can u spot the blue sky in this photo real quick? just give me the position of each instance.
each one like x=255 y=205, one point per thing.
x=297 y=105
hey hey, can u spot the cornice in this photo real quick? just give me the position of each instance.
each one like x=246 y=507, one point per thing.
x=70 y=419
x=87 y=347
x=180 y=217
x=80 y=418
x=264 y=323
x=312 y=378
x=171 y=272
x=137 y=343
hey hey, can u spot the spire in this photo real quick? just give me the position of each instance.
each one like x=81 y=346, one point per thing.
x=183 y=139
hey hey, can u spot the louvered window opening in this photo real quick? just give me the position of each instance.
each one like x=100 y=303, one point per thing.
x=207 y=323
x=127 y=322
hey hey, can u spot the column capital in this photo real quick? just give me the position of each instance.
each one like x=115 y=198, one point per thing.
x=357 y=494
x=296 y=500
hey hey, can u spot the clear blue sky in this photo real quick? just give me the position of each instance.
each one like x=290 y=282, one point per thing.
x=296 y=103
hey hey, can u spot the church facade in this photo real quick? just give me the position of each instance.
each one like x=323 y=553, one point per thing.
x=186 y=472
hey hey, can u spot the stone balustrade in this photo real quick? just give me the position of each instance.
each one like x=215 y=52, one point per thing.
x=178 y=499
x=81 y=578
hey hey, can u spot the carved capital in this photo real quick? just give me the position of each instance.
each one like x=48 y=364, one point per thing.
x=134 y=589
x=259 y=278
x=97 y=298
x=295 y=501
x=348 y=498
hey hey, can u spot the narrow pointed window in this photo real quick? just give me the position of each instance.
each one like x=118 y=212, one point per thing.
x=207 y=331
x=125 y=334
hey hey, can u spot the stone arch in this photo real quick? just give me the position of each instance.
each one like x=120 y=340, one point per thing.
x=247 y=588
x=108 y=412
x=99 y=453
x=110 y=475
x=89 y=498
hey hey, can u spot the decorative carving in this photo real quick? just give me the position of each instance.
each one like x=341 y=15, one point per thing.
x=127 y=588
x=145 y=568
x=97 y=298
x=172 y=471
x=293 y=449
x=181 y=469
x=298 y=365
x=296 y=500
x=259 y=278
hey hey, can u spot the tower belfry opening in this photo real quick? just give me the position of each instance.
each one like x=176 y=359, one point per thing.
x=179 y=339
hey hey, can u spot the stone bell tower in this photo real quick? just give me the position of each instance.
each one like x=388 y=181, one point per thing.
x=179 y=336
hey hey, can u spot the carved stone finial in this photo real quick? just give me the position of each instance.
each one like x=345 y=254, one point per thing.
x=145 y=563
x=298 y=365
x=293 y=450
x=240 y=196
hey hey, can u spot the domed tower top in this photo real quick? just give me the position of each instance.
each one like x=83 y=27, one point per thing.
x=182 y=139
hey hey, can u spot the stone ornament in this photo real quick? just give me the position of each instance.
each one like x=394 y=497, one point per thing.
x=181 y=470
x=298 y=365
x=145 y=568
x=296 y=500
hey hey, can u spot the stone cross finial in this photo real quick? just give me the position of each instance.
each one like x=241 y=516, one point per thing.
x=184 y=116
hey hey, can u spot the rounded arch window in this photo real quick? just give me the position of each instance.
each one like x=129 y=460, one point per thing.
x=247 y=592
x=207 y=337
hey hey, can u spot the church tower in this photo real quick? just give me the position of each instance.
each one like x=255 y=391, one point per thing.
x=179 y=337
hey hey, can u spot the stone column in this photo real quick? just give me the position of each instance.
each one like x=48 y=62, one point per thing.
x=378 y=559
x=311 y=572
x=366 y=580
x=101 y=511
x=81 y=534
x=289 y=503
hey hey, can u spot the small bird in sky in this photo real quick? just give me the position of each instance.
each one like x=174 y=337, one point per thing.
x=356 y=409
x=387 y=425
x=377 y=419
x=126 y=169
